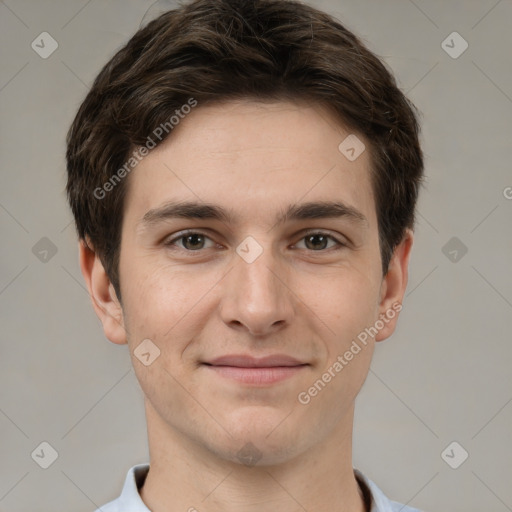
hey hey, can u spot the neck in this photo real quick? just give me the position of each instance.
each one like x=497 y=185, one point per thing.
x=185 y=475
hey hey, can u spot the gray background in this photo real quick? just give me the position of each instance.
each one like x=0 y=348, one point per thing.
x=445 y=374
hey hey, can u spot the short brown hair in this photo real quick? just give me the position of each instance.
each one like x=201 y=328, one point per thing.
x=217 y=50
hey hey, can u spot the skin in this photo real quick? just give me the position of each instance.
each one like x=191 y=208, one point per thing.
x=307 y=301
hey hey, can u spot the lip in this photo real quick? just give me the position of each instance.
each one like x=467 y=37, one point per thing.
x=256 y=371
x=247 y=361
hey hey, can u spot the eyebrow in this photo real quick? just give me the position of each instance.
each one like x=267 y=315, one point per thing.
x=294 y=212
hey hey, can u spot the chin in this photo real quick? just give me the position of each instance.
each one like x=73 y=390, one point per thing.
x=259 y=440
x=258 y=453
x=257 y=422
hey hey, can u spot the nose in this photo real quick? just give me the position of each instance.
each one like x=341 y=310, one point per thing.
x=256 y=296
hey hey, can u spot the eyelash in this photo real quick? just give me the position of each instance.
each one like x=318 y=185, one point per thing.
x=170 y=243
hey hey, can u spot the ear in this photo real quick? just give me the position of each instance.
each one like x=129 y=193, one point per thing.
x=393 y=286
x=102 y=293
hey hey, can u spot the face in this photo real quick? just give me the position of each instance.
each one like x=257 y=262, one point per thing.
x=259 y=285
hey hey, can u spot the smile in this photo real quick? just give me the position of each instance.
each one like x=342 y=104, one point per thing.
x=257 y=376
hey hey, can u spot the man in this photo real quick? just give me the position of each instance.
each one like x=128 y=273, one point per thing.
x=243 y=177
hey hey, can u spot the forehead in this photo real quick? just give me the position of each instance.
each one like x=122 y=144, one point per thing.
x=254 y=158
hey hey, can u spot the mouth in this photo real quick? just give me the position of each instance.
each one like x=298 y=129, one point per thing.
x=256 y=371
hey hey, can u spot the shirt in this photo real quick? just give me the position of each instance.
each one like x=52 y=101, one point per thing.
x=130 y=500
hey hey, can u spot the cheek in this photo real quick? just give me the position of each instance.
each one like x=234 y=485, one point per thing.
x=164 y=300
x=348 y=306
x=163 y=305
x=346 y=300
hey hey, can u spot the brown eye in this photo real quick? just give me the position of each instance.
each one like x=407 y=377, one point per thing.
x=319 y=241
x=191 y=241
x=316 y=242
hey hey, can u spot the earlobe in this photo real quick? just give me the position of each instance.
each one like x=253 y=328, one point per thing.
x=102 y=293
x=393 y=287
